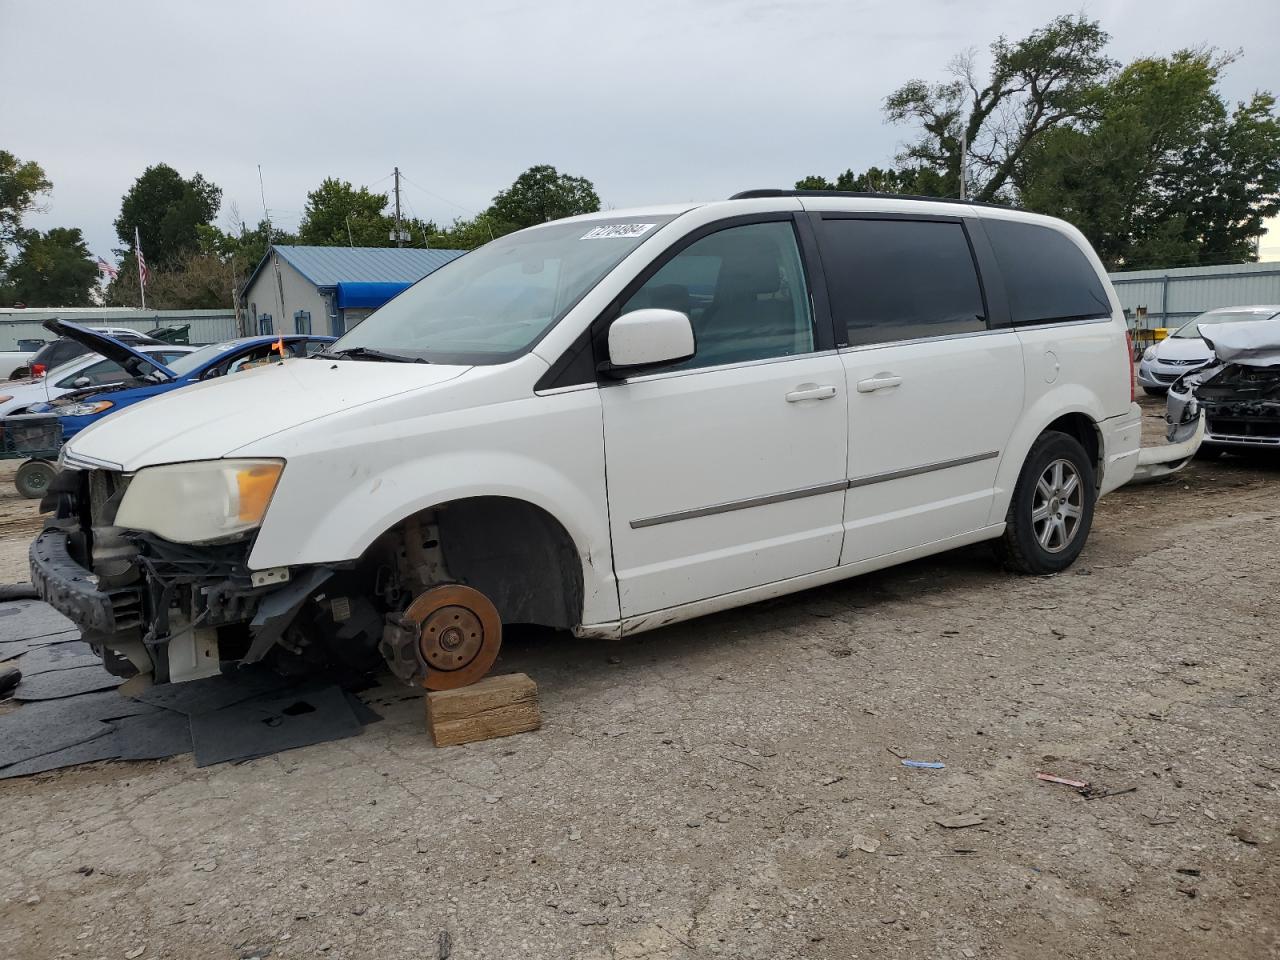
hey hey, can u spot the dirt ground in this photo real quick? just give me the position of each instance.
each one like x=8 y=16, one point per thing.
x=733 y=786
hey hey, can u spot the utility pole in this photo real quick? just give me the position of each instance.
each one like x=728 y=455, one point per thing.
x=399 y=238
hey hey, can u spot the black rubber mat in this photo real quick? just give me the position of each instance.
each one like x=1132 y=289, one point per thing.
x=214 y=693
x=153 y=737
x=71 y=713
x=271 y=724
x=103 y=747
x=29 y=619
x=58 y=656
x=56 y=684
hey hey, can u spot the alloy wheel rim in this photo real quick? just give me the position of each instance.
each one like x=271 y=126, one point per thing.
x=1057 y=506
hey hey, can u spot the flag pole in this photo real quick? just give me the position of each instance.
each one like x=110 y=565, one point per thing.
x=137 y=256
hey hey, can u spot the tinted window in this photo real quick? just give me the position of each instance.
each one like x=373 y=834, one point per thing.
x=744 y=291
x=1045 y=275
x=58 y=353
x=901 y=279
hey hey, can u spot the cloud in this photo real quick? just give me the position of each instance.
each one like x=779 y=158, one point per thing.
x=653 y=100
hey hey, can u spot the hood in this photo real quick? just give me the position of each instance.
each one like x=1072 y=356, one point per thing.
x=1183 y=348
x=1253 y=343
x=207 y=421
x=108 y=346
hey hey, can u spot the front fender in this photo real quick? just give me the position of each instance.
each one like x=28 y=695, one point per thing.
x=343 y=488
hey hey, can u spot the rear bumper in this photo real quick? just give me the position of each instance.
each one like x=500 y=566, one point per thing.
x=1166 y=459
x=1121 y=440
x=67 y=586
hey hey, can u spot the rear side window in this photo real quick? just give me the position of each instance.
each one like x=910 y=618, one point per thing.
x=901 y=279
x=1046 y=276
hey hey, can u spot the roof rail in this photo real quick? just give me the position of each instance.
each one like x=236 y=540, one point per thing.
x=773 y=192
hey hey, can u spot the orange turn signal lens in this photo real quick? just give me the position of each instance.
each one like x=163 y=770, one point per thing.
x=255 y=485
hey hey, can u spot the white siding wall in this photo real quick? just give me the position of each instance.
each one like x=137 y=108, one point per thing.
x=281 y=291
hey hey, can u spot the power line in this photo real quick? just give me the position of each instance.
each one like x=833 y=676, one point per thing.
x=430 y=193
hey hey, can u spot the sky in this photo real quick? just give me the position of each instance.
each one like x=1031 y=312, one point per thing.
x=652 y=100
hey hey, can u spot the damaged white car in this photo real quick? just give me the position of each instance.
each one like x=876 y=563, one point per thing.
x=1235 y=400
x=605 y=425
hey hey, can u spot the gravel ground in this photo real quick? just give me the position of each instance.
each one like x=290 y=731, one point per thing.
x=733 y=786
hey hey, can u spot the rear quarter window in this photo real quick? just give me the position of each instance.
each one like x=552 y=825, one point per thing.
x=1046 y=276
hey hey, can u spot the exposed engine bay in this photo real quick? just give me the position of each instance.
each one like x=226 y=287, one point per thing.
x=173 y=612
x=1238 y=393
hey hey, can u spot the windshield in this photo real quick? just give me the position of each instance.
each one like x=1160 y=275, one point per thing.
x=1192 y=329
x=188 y=362
x=497 y=301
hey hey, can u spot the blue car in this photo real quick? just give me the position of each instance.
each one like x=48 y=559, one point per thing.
x=80 y=408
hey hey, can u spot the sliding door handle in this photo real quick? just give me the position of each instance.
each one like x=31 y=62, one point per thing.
x=810 y=391
x=873 y=384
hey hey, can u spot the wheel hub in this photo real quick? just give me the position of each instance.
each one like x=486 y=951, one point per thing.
x=452 y=637
x=458 y=636
x=1057 y=506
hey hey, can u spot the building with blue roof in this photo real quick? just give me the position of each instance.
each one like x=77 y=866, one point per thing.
x=328 y=290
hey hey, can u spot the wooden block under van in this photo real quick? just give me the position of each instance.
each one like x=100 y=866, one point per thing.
x=493 y=707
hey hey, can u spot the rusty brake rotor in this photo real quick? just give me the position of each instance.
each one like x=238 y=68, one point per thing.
x=459 y=635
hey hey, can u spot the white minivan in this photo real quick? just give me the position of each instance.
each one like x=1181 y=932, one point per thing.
x=607 y=424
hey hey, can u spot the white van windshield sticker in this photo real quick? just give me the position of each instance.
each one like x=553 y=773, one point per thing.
x=618 y=231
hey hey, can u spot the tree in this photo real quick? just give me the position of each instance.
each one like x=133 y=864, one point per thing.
x=918 y=181
x=541 y=194
x=1165 y=174
x=21 y=185
x=1044 y=81
x=52 y=269
x=338 y=214
x=167 y=210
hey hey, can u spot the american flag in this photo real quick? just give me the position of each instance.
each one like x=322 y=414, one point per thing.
x=144 y=275
x=106 y=269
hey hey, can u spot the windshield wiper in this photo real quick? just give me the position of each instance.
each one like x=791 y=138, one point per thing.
x=367 y=353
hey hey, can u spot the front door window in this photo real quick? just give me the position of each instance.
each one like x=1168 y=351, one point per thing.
x=744 y=291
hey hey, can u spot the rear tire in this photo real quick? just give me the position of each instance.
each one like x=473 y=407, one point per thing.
x=1051 y=512
x=33 y=478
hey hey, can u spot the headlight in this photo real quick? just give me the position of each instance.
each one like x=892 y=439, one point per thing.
x=83 y=409
x=201 y=501
x=1149 y=353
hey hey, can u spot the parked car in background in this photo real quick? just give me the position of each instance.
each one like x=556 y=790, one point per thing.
x=14 y=363
x=1238 y=394
x=1185 y=349
x=78 y=408
x=608 y=424
x=59 y=351
x=89 y=370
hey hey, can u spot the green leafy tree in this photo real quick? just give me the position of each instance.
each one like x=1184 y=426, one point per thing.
x=918 y=181
x=338 y=214
x=52 y=269
x=168 y=212
x=1166 y=174
x=21 y=185
x=1047 y=80
x=541 y=194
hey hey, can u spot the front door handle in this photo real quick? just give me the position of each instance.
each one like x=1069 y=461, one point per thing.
x=811 y=392
x=883 y=382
